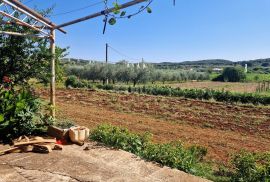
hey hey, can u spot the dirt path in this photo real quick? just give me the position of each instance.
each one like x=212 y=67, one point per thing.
x=223 y=129
x=74 y=164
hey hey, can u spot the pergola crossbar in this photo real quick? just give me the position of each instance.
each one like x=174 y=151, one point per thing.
x=23 y=23
x=22 y=34
x=26 y=13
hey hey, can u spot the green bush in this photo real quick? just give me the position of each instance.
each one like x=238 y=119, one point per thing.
x=174 y=155
x=231 y=74
x=119 y=138
x=251 y=167
x=107 y=87
x=71 y=81
x=245 y=167
x=19 y=114
x=74 y=82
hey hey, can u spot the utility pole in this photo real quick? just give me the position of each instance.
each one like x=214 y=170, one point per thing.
x=107 y=46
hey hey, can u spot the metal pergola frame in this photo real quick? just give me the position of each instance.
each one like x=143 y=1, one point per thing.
x=44 y=28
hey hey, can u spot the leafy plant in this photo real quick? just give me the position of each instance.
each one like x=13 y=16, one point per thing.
x=245 y=167
x=251 y=167
x=119 y=138
x=174 y=155
x=19 y=113
x=74 y=82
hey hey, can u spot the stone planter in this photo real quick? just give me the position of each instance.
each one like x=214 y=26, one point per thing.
x=58 y=133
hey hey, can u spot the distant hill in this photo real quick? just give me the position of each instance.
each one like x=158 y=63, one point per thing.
x=200 y=63
x=212 y=62
x=208 y=62
x=255 y=62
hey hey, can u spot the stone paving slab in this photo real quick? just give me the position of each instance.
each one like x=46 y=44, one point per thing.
x=74 y=164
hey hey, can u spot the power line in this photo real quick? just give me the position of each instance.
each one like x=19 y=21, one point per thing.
x=79 y=9
x=122 y=54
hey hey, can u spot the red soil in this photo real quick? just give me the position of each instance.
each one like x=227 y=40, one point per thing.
x=223 y=129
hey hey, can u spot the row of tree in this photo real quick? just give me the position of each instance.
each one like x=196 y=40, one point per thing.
x=138 y=73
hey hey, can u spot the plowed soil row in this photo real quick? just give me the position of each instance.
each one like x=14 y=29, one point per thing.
x=223 y=129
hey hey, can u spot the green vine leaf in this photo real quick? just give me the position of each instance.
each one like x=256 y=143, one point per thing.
x=123 y=13
x=149 y=10
x=116 y=8
x=112 y=21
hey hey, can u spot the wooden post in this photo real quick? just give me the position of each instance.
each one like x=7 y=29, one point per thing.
x=107 y=79
x=52 y=85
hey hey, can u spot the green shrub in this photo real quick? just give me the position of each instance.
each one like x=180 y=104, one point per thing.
x=122 y=88
x=74 y=82
x=174 y=155
x=107 y=87
x=231 y=74
x=247 y=167
x=71 y=81
x=218 y=78
x=119 y=138
x=19 y=114
x=251 y=167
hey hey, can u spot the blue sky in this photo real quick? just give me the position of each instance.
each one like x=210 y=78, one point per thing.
x=193 y=30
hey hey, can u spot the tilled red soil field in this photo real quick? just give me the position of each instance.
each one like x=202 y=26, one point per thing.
x=223 y=129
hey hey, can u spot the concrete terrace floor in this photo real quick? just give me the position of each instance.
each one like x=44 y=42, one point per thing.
x=74 y=164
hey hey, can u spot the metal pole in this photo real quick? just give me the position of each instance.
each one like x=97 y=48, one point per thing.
x=107 y=80
x=52 y=85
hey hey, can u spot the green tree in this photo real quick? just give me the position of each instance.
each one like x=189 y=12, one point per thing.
x=23 y=58
x=233 y=74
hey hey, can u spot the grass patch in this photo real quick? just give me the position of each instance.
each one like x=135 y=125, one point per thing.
x=251 y=77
